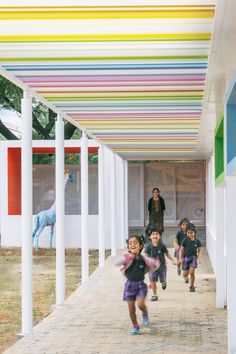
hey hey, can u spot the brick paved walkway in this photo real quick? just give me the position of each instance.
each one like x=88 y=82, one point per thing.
x=95 y=319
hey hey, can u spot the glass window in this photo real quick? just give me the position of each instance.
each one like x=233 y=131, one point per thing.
x=44 y=189
x=182 y=185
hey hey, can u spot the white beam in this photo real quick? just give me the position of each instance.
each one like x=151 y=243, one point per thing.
x=60 y=213
x=106 y=2
x=26 y=220
x=84 y=208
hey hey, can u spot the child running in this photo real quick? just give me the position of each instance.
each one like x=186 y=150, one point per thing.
x=156 y=249
x=134 y=268
x=180 y=236
x=189 y=255
x=147 y=233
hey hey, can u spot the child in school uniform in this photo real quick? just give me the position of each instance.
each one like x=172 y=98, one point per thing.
x=157 y=250
x=189 y=255
x=180 y=236
x=147 y=233
x=134 y=267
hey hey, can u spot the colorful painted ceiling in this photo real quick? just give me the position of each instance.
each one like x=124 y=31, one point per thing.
x=133 y=76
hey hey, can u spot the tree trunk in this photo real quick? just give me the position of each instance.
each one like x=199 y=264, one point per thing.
x=40 y=129
x=6 y=132
x=69 y=130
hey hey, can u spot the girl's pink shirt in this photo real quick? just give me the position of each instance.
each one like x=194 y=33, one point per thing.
x=127 y=259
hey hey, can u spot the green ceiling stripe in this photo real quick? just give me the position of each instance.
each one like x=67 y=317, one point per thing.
x=152 y=57
x=121 y=37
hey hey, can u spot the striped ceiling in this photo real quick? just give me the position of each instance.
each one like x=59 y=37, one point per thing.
x=132 y=75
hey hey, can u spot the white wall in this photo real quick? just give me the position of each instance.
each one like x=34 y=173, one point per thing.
x=211 y=247
x=210 y=208
x=12 y=238
x=215 y=231
x=10 y=226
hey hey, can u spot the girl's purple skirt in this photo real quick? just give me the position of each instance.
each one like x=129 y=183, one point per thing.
x=134 y=289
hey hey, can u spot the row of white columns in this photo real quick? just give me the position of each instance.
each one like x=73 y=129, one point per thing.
x=27 y=211
x=221 y=221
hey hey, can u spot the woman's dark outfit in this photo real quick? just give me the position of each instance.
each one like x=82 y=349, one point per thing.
x=156 y=213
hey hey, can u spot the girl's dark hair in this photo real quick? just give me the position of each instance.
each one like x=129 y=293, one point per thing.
x=140 y=239
x=155 y=229
x=191 y=227
x=156 y=189
x=184 y=220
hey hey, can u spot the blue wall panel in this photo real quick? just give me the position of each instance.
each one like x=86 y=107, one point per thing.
x=231 y=132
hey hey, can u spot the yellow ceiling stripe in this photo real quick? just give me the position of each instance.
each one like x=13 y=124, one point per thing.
x=197 y=93
x=102 y=14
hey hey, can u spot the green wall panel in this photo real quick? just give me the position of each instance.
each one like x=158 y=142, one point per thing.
x=219 y=150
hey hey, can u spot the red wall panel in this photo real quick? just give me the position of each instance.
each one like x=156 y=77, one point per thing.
x=14 y=181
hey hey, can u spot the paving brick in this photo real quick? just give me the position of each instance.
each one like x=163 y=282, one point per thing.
x=95 y=320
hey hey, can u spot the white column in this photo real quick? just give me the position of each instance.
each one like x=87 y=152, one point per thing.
x=84 y=208
x=231 y=261
x=142 y=207
x=220 y=259
x=209 y=195
x=113 y=204
x=60 y=213
x=207 y=192
x=4 y=195
x=213 y=201
x=122 y=205
x=26 y=212
x=101 y=225
x=126 y=202
x=212 y=183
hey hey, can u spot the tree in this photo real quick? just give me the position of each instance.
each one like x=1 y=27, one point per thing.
x=43 y=117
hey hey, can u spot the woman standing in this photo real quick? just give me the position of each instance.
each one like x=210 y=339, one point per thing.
x=156 y=207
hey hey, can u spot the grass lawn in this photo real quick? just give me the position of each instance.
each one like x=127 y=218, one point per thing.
x=44 y=284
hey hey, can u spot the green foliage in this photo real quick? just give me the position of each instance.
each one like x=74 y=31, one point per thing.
x=77 y=134
x=93 y=158
x=43 y=159
x=70 y=159
x=10 y=95
x=43 y=117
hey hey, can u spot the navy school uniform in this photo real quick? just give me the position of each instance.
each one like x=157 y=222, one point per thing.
x=134 y=270
x=180 y=236
x=135 y=286
x=190 y=253
x=159 y=252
